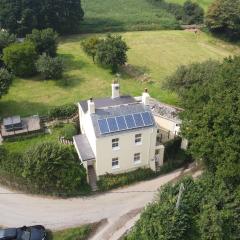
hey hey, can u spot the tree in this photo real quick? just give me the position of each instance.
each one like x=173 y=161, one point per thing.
x=53 y=168
x=44 y=40
x=112 y=52
x=90 y=46
x=22 y=16
x=223 y=17
x=196 y=73
x=20 y=58
x=211 y=121
x=5 y=81
x=192 y=13
x=49 y=68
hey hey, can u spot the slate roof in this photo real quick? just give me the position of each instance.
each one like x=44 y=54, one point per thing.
x=83 y=147
x=107 y=102
x=115 y=111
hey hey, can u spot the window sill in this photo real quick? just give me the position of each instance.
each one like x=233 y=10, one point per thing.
x=115 y=167
x=115 y=148
x=137 y=162
x=138 y=143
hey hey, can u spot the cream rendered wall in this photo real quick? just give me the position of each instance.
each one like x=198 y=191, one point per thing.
x=125 y=153
x=165 y=123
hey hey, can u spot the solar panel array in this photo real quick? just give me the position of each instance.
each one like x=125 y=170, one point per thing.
x=121 y=123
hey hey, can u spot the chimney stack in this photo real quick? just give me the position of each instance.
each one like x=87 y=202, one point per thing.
x=115 y=89
x=91 y=106
x=145 y=97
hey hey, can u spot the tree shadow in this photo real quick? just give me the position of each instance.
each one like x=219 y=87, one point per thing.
x=70 y=62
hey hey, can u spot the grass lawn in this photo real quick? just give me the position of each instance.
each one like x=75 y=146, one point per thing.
x=78 y=233
x=155 y=53
x=122 y=15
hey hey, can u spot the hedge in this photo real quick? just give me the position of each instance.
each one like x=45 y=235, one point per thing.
x=62 y=112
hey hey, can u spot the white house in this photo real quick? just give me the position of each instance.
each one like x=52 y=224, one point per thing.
x=121 y=133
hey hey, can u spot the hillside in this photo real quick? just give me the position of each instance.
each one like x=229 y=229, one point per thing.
x=203 y=3
x=152 y=56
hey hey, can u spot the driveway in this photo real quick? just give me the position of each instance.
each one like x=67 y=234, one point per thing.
x=119 y=207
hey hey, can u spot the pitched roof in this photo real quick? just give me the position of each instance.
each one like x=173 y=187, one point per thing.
x=108 y=102
x=84 y=149
x=121 y=110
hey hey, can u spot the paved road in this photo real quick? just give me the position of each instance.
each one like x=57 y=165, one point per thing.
x=118 y=206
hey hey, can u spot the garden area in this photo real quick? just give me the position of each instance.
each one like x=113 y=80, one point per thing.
x=166 y=51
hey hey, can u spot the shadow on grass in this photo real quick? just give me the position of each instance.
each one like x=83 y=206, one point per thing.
x=22 y=108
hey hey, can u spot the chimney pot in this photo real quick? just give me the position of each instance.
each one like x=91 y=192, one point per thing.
x=146 y=90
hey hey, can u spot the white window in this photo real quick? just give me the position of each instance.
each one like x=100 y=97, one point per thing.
x=137 y=158
x=115 y=163
x=138 y=138
x=115 y=143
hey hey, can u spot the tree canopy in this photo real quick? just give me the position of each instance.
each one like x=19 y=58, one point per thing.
x=5 y=81
x=22 y=16
x=223 y=17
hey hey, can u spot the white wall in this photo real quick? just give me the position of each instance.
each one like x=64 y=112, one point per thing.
x=165 y=123
x=125 y=154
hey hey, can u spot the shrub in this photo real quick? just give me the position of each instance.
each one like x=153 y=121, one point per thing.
x=45 y=41
x=64 y=111
x=5 y=81
x=192 y=13
x=90 y=46
x=110 y=181
x=49 y=68
x=53 y=168
x=223 y=17
x=112 y=52
x=20 y=58
x=68 y=131
x=6 y=39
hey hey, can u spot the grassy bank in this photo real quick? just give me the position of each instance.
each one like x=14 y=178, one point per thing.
x=203 y=3
x=154 y=54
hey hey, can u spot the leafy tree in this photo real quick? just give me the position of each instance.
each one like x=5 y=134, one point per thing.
x=112 y=52
x=90 y=46
x=49 y=68
x=20 y=58
x=6 y=39
x=51 y=167
x=192 y=13
x=223 y=17
x=44 y=40
x=211 y=121
x=187 y=76
x=5 y=81
x=22 y=16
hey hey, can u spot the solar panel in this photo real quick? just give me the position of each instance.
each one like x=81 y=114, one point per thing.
x=121 y=123
x=147 y=119
x=112 y=124
x=130 y=121
x=103 y=126
x=138 y=120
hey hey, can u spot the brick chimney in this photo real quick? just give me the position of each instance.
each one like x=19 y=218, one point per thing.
x=145 y=97
x=115 y=89
x=91 y=106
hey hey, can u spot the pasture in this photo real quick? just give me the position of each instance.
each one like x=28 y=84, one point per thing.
x=153 y=55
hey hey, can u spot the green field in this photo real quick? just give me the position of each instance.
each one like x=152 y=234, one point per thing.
x=155 y=54
x=202 y=3
x=125 y=15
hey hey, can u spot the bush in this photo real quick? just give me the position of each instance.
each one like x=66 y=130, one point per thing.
x=5 y=81
x=49 y=68
x=223 y=17
x=61 y=112
x=192 y=13
x=20 y=58
x=110 y=181
x=53 y=168
x=45 y=41
x=68 y=131
x=90 y=46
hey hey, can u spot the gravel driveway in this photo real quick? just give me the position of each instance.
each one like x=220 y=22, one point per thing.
x=118 y=207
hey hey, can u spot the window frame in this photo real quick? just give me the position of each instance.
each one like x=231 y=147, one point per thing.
x=115 y=144
x=137 y=158
x=138 y=139
x=115 y=159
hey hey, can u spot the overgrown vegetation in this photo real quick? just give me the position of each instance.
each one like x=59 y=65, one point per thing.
x=223 y=18
x=5 y=81
x=68 y=131
x=62 y=112
x=21 y=17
